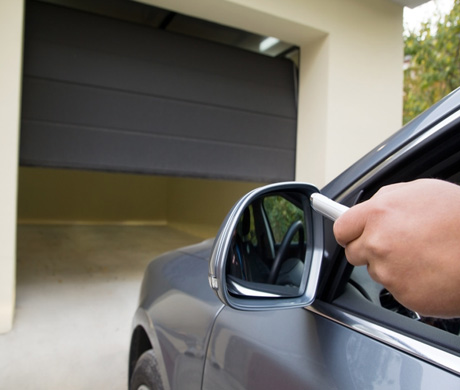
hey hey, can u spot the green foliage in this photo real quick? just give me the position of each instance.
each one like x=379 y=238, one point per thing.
x=433 y=68
x=281 y=213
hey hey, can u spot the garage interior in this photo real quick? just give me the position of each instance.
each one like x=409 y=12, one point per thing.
x=119 y=164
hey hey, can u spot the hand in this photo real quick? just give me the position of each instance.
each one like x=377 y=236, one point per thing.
x=408 y=235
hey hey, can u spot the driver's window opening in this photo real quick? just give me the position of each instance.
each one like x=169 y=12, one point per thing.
x=269 y=243
x=376 y=293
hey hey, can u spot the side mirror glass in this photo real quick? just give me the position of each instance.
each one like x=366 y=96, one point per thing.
x=268 y=252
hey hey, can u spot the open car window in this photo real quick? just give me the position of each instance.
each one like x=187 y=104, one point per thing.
x=436 y=157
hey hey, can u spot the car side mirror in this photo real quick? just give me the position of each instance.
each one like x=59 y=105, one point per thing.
x=268 y=252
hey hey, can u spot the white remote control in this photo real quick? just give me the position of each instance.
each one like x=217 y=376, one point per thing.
x=327 y=207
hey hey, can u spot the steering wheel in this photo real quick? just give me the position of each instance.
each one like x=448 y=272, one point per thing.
x=295 y=227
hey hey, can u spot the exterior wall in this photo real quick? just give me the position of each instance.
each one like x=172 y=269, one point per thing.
x=11 y=21
x=365 y=84
x=350 y=73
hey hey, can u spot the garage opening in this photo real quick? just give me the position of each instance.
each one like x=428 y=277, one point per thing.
x=138 y=133
x=121 y=87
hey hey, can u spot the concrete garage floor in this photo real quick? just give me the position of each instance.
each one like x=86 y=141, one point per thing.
x=77 y=289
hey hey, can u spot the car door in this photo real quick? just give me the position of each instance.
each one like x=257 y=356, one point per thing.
x=302 y=349
x=354 y=336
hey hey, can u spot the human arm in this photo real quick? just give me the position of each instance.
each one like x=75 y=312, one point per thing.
x=408 y=235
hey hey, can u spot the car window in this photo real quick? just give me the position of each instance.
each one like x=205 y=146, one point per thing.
x=438 y=157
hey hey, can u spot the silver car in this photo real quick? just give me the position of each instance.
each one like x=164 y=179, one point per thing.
x=272 y=303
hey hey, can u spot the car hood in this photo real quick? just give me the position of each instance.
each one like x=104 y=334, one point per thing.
x=201 y=250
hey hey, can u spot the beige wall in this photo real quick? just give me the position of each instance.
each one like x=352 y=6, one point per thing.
x=11 y=21
x=199 y=206
x=72 y=196
x=196 y=206
x=350 y=73
x=365 y=84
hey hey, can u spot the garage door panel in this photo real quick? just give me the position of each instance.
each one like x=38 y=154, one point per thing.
x=126 y=56
x=79 y=66
x=107 y=92
x=85 y=106
x=106 y=35
x=127 y=152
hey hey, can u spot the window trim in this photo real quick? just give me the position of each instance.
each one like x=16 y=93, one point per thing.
x=414 y=347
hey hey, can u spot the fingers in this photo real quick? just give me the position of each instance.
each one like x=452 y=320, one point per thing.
x=359 y=229
x=356 y=254
x=350 y=225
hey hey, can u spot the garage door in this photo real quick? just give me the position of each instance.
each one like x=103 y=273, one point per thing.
x=105 y=94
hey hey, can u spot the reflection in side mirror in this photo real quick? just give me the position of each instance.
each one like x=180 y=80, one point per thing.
x=269 y=248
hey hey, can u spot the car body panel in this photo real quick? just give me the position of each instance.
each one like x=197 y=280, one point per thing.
x=298 y=349
x=199 y=339
x=176 y=297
